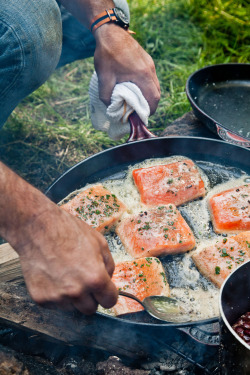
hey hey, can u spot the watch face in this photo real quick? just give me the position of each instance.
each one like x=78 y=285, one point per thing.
x=121 y=16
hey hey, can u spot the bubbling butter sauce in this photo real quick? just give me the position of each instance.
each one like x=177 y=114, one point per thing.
x=197 y=296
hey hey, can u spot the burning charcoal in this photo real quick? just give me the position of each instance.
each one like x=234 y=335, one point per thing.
x=114 y=366
x=168 y=367
x=151 y=365
x=70 y=365
x=16 y=363
x=10 y=365
x=77 y=366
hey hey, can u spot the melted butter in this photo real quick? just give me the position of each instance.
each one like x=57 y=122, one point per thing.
x=231 y=184
x=198 y=296
x=198 y=303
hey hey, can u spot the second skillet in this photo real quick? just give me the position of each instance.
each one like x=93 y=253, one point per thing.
x=220 y=98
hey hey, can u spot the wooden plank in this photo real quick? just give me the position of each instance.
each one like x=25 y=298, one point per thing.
x=10 y=268
x=96 y=331
x=7 y=253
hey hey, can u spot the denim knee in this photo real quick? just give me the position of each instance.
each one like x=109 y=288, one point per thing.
x=30 y=48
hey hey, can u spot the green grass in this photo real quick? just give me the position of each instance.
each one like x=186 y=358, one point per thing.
x=51 y=129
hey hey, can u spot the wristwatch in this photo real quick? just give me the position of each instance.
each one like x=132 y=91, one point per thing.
x=115 y=15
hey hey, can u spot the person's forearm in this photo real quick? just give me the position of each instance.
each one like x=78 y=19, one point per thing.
x=86 y=10
x=64 y=261
x=20 y=205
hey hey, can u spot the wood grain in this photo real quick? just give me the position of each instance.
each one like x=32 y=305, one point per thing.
x=10 y=268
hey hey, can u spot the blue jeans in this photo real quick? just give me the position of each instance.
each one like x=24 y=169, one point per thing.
x=36 y=37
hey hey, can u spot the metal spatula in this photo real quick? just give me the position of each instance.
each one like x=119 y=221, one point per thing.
x=161 y=307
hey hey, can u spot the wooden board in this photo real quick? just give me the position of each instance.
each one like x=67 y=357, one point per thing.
x=10 y=268
x=96 y=331
x=19 y=311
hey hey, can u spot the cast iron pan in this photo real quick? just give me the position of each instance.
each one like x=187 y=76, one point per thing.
x=219 y=160
x=220 y=98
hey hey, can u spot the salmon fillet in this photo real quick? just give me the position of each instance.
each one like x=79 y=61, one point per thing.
x=157 y=231
x=230 y=210
x=177 y=183
x=97 y=206
x=142 y=278
x=217 y=261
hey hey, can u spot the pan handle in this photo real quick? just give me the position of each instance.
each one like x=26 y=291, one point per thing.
x=231 y=138
x=138 y=130
x=207 y=334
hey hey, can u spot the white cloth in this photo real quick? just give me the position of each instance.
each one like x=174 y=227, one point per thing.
x=126 y=98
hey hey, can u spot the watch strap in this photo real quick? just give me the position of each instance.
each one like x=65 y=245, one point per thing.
x=102 y=18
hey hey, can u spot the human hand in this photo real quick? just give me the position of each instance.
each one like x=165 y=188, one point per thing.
x=66 y=263
x=119 y=58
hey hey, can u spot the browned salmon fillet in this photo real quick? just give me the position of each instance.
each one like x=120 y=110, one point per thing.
x=218 y=260
x=230 y=210
x=155 y=232
x=96 y=206
x=142 y=278
x=177 y=183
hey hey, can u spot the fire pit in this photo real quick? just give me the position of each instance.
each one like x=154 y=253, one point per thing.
x=30 y=353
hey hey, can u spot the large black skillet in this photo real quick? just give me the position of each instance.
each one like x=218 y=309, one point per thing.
x=114 y=162
x=220 y=98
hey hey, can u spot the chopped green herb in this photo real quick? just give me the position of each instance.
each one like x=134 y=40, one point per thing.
x=164 y=277
x=224 y=253
x=217 y=270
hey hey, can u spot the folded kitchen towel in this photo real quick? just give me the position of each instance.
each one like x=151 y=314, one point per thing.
x=126 y=98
